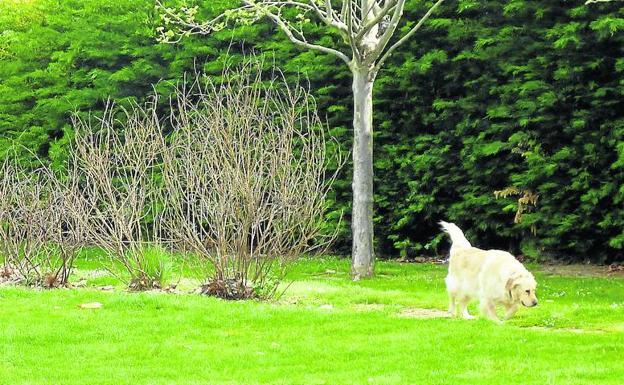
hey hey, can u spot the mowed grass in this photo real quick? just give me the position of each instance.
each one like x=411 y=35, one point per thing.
x=324 y=330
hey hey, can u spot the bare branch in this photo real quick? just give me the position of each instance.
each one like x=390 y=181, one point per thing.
x=351 y=27
x=408 y=35
x=251 y=11
x=388 y=33
x=379 y=16
x=329 y=17
x=38 y=239
x=114 y=167
x=287 y=30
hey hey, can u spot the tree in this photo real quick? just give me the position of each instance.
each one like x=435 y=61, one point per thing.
x=367 y=29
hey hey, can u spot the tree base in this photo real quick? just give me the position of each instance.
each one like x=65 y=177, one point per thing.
x=361 y=272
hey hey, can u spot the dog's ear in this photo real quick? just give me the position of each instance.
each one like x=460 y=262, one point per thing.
x=511 y=282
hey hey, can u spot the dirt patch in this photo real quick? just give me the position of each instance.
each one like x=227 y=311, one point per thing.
x=568 y=330
x=582 y=270
x=368 y=307
x=414 y=312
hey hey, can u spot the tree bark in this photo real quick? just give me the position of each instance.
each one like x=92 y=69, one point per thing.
x=363 y=257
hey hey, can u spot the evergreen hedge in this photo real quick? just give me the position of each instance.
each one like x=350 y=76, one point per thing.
x=523 y=98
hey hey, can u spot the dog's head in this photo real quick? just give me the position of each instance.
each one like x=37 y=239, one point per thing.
x=521 y=287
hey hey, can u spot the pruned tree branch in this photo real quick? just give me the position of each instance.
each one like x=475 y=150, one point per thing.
x=252 y=10
x=389 y=6
x=299 y=41
x=367 y=26
x=387 y=34
x=407 y=36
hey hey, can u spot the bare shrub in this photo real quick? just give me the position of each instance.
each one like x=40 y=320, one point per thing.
x=20 y=224
x=115 y=165
x=65 y=233
x=240 y=183
x=245 y=178
x=38 y=240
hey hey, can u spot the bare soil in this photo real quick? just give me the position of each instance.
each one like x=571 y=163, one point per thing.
x=414 y=312
x=583 y=270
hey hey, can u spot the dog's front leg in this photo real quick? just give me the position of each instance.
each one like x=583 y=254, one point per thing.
x=511 y=310
x=488 y=310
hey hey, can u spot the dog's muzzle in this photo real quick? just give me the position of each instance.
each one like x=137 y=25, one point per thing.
x=532 y=304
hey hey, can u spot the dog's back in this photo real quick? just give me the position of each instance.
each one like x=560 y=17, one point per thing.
x=465 y=265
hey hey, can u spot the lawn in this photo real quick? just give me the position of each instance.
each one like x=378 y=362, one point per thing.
x=324 y=330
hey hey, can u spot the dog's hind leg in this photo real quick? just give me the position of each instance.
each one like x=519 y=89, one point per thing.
x=451 y=288
x=452 y=300
x=463 y=306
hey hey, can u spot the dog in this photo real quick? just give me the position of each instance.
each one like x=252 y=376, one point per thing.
x=494 y=277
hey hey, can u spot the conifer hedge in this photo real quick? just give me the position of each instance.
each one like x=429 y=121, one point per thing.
x=506 y=117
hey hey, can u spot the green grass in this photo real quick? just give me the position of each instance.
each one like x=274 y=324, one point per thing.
x=324 y=330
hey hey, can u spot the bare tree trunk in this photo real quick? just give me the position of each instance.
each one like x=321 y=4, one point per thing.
x=362 y=222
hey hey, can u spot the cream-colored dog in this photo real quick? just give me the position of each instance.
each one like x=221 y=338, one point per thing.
x=494 y=277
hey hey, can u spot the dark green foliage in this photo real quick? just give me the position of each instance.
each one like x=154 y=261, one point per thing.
x=524 y=94
x=489 y=95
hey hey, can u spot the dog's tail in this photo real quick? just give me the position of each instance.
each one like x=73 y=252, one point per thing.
x=457 y=236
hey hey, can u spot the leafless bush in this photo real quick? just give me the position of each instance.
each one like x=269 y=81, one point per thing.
x=38 y=240
x=115 y=165
x=240 y=183
x=245 y=178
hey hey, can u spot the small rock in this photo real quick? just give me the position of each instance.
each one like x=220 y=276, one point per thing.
x=91 y=305
x=326 y=307
x=106 y=288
